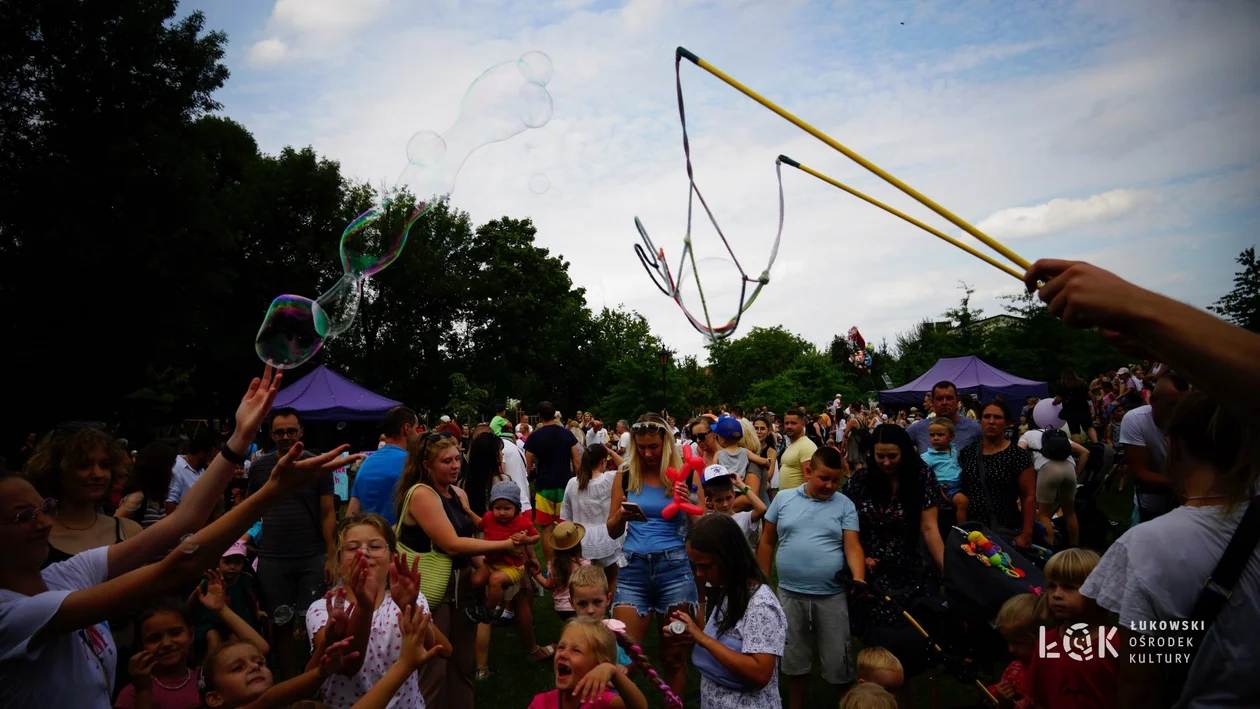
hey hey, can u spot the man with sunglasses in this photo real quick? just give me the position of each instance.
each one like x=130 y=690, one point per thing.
x=297 y=554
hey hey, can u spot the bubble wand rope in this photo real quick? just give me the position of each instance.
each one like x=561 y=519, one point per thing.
x=897 y=213
x=653 y=259
x=831 y=142
x=636 y=656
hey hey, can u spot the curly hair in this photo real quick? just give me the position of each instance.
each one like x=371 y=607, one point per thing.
x=63 y=452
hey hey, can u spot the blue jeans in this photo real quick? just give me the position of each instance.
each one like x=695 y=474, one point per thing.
x=656 y=582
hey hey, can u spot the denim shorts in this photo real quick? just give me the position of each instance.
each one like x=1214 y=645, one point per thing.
x=657 y=582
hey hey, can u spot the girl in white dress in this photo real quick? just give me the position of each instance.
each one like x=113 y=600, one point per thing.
x=586 y=501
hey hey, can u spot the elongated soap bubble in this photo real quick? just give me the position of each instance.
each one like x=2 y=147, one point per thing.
x=506 y=100
x=288 y=337
x=333 y=312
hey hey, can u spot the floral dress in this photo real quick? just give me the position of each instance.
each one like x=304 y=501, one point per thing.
x=889 y=533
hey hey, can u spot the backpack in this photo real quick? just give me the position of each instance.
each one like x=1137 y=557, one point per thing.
x=1055 y=444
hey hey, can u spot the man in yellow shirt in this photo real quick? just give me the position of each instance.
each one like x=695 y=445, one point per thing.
x=800 y=449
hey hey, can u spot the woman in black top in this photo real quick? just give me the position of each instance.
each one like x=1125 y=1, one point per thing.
x=1001 y=484
x=1077 y=406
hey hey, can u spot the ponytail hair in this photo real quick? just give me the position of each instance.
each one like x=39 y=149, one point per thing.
x=591 y=459
x=626 y=643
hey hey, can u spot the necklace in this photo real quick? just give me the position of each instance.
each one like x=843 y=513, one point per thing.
x=187 y=679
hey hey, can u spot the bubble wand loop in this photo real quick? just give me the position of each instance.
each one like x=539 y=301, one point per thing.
x=898 y=213
x=886 y=176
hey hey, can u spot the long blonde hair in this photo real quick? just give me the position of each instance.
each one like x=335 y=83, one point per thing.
x=670 y=455
x=750 y=441
x=420 y=451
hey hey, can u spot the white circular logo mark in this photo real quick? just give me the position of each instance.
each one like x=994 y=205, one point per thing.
x=1078 y=643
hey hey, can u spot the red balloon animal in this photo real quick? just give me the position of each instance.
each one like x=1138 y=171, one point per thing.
x=681 y=502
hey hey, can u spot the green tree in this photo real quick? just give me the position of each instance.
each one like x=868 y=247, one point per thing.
x=467 y=399
x=1241 y=306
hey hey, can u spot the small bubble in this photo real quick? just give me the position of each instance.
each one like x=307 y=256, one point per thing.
x=282 y=616
x=341 y=425
x=539 y=183
x=188 y=544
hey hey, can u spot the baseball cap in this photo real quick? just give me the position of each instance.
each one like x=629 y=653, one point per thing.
x=506 y=490
x=446 y=419
x=715 y=471
x=1122 y=371
x=237 y=549
x=728 y=427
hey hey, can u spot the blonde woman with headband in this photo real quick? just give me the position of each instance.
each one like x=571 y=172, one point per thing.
x=656 y=577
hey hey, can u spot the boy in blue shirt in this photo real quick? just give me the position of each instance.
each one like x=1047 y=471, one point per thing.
x=816 y=531
x=942 y=458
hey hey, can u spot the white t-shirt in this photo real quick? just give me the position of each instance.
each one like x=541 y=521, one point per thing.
x=68 y=670
x=183 y=477
x=1138 y=429
x=744 y=520
x=383 y=649
x=514 y=467
x=624 y=443
x=593 y=437
x=1032 y=441
x=1156 y=570
x=589 y=508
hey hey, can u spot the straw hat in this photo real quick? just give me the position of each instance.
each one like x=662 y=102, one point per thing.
x=567 y=535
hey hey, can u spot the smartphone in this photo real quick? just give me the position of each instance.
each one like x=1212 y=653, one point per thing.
x=636 y=512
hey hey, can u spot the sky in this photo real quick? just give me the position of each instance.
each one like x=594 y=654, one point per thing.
x=1122 y=132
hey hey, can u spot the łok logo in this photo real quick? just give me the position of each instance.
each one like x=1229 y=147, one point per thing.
x=1078 y=643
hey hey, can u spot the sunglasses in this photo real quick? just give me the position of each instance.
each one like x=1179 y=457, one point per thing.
x=48 y=507
x=286 y=433
x=648 y=426
x=435 y=437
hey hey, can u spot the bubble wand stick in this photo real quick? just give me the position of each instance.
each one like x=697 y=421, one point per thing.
x=898 y=213
x=880 y=172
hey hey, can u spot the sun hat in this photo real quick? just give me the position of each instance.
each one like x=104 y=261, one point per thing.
x=567 y=535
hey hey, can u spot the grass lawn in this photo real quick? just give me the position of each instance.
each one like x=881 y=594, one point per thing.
x=515 y=681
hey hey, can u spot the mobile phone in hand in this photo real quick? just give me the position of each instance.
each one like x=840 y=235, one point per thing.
x=636 y=512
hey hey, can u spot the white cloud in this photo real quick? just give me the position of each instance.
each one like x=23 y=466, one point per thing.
x=266 y=52
x=1062 y=214
x=1147 y=106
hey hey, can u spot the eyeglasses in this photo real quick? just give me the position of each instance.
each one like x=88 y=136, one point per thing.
x=286 y=433
x=27 y=515
x=648 y=426
x=371 y=548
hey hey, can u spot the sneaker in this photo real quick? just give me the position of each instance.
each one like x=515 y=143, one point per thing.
x=476 y=614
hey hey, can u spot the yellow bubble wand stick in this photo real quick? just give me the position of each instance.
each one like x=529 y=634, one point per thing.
x=884 y=175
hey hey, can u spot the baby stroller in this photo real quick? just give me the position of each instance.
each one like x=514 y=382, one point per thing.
x=975 y=590
x=934 y=611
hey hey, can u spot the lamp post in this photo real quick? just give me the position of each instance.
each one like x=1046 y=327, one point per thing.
x=664 y=355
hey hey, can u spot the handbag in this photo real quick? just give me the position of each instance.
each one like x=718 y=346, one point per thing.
x=435 y=567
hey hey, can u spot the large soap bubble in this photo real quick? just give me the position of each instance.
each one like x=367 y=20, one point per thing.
x=506 y=100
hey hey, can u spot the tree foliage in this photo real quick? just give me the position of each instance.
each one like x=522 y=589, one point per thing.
x=1241 y=306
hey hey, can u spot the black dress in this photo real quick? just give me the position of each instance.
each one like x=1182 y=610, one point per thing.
x=1000 y=492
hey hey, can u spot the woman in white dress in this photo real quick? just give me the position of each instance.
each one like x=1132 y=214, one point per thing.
x=587 y=498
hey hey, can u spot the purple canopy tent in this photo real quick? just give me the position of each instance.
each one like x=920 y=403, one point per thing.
x=324 y=395
x=971 y=376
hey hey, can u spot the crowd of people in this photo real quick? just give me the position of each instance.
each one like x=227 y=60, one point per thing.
x=231 y=574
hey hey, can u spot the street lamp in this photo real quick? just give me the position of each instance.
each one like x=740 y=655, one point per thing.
x=664 y=355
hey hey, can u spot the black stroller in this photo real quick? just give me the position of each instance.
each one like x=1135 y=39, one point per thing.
x=931 y=634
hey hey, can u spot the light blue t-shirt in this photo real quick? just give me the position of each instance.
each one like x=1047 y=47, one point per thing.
x=944 y=465
x=966 y=432
x=811 y=540
x=377 y=478
x=657 y=534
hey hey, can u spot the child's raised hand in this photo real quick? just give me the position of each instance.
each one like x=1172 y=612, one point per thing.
x=339 y=612
x=335 y=657
x=363 y=582
x=213 y=597
x=414 y=625
x=141 y=667
x=404 y=583
x=591 y=687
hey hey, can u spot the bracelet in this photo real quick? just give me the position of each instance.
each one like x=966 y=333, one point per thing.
x=231 y=456
x=745 y=490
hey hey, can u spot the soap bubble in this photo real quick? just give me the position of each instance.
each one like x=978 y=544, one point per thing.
x=187 y=544
x=288 y=337
x=426 y=148
x=282 y=615
x=503 y=101
x=341 y=425
x=334 y=311
x=536 y=67
x=539 y=183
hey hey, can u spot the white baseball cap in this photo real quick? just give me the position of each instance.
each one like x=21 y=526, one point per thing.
x=446 y=419
x=715 y=471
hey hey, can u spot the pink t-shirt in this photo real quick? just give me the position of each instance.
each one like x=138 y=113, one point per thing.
x=551 y=700
x=185 y=697
x=560 y=596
